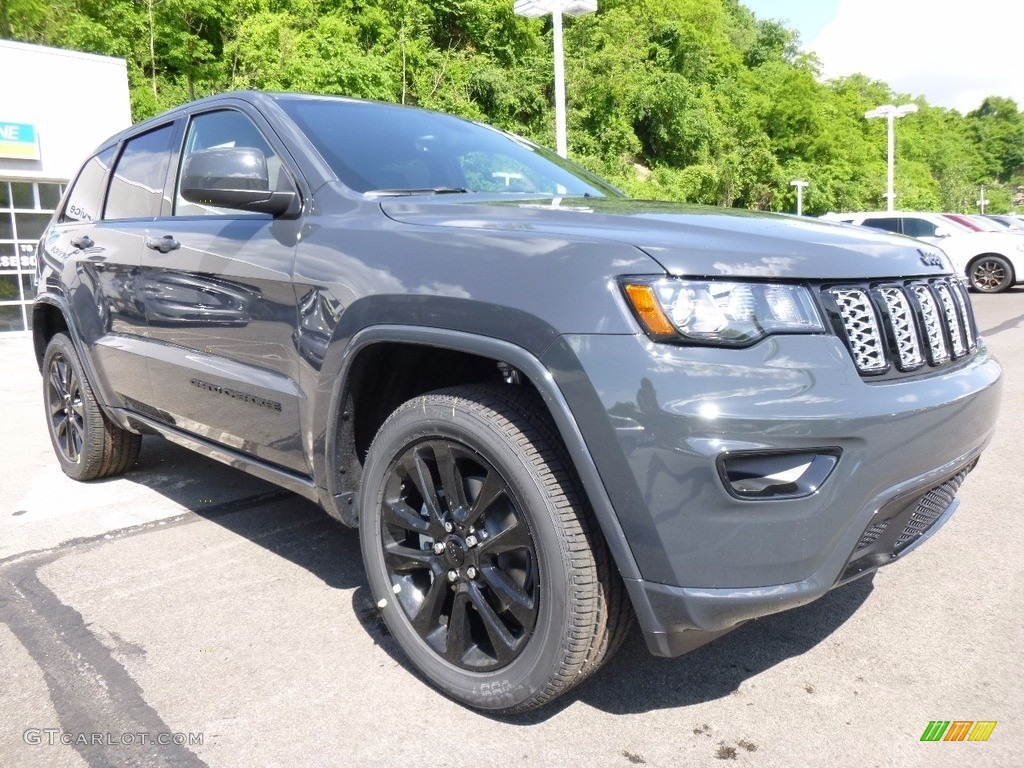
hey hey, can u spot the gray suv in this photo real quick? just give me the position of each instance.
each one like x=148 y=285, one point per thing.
x=550 y=410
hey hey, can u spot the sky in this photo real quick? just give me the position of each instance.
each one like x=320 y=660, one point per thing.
x=954 y=55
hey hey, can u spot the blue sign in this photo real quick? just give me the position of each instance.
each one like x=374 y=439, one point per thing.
x=19 y=141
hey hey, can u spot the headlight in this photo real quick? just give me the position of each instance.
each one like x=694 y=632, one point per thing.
x=718 y=312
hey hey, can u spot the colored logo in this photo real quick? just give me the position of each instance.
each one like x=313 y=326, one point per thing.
x=958 y=730
x=19 y=141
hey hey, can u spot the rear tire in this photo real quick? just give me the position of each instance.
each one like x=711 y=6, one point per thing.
x=482 y=553
x=88 y=444
x=990 y=274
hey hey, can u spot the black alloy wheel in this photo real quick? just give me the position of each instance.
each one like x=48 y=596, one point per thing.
x=459 y=554
x=65 y=408
x=481 y=551
x=88 y=445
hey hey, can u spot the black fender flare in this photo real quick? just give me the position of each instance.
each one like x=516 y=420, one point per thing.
x=529 y=366
x=60 y=303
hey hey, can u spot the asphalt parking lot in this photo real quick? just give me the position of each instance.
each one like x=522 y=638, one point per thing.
x=191 y=603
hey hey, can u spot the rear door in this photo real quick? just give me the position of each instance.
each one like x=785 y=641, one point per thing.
x=98 y=240
x=220 y=304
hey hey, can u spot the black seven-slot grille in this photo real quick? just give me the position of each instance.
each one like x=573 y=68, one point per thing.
x=903 y=327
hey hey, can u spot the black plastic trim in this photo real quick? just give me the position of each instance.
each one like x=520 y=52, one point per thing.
x=99 y=387
x=299 y=484
x=797 y=492
x=541 y=379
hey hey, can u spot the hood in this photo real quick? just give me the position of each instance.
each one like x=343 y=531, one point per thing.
x=695 y=241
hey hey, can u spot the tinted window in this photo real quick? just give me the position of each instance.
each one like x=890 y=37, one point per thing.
x=23 y=194
x=225 y=128
x=85 y=201
x=49 y=195
x=137 y=185
x=380 y=147
x=30 y=226
x=915 y=227
x=889 y=224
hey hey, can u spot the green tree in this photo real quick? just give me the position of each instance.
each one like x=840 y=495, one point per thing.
x=694 y=100
x=998 y=128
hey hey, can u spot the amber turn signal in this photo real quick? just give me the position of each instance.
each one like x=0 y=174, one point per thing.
x=648 y=310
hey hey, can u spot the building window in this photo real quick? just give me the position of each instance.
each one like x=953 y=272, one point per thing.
x=25 y=209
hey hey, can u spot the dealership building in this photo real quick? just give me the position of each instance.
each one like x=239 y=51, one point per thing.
x=56 y=106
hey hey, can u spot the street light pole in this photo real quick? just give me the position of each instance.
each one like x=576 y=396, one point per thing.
x=891 y=113
x=799 y=184
x=536 y=8
x=561 y=137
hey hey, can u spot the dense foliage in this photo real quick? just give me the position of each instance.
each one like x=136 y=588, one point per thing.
x=694 y=100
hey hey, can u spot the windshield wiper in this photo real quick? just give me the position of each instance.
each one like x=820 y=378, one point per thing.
x=422 y=191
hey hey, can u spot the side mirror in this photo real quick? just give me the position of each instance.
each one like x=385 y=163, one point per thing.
x=942 y=232
x=233 y=177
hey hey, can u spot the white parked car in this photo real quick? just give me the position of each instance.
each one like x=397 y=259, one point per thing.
x=992 y=261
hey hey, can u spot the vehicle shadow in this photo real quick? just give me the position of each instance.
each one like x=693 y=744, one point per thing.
x=278 y=520
x=634 y=681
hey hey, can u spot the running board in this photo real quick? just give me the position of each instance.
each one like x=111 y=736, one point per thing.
x=292 y=481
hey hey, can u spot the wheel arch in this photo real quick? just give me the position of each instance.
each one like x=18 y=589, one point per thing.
x=464 y=358
x=48 y=319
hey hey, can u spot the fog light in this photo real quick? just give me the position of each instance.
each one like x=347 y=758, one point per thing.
x=776 y=475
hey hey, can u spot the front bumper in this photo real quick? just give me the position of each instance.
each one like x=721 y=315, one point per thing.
x=656 y=419
x=678 y=619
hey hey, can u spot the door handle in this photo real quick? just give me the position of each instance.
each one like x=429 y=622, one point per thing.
x=164 y=244
x=83 y=242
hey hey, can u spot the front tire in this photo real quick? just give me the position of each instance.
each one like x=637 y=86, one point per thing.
x=88 y=444
x=990 y=274
x=481 y=553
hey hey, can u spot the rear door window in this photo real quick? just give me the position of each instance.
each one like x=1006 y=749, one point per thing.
x=85 y=200
x=137 y=186
x=887 y=223
x=916 y=227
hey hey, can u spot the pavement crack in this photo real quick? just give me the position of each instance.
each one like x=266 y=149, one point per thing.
x=205 y=512
x=101 y=710
x=91 y=692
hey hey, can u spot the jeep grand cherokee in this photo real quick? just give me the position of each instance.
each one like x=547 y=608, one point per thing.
x=550 y=410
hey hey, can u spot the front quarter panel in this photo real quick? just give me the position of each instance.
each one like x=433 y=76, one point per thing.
x=358 y=269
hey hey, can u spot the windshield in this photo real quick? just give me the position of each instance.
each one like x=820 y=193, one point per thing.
x=385 y=149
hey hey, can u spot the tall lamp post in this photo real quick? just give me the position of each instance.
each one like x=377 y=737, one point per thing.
x=536 y=8
x=891 y=113
x=799 y=184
